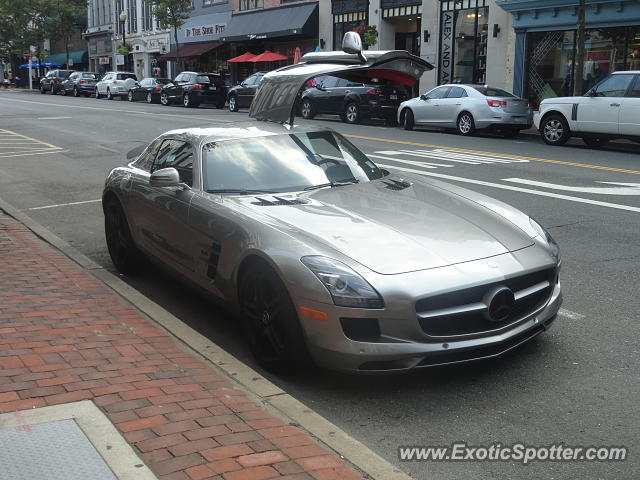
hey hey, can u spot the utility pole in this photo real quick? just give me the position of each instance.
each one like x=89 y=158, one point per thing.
x=578 y=72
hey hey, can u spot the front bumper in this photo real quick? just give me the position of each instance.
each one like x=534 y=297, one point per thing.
x=403 y=344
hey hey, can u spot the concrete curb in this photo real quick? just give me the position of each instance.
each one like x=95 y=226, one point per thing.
x=268 y=394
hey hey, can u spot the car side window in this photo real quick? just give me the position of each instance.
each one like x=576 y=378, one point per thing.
x=440 y=92
x=145 y=83
x=329 y=82
x=635 y=89
x=614 y=86
x=250 y=81
x=176 y=154
x=145 y=161
x=457 y=92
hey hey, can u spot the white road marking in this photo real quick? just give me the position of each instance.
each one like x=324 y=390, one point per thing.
x=421 y=164
x=518 y=189
x=58 y=150
x=416 y=154
x=626 y=189
x=64 y=204
x=563 y=312
x=52 y=118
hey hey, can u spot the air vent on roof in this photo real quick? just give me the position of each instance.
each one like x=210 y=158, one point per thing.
x=275 y=201
x=396 y=184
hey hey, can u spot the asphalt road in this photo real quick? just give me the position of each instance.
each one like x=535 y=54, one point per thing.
x=578 y=384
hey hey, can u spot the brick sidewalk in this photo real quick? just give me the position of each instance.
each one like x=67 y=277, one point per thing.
x=66 y=337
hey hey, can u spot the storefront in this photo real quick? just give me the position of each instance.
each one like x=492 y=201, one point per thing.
x=100 y=52
x=348 y=15
x=464 y=28
x=280 y=30
x=404 y=19
x=546 y=49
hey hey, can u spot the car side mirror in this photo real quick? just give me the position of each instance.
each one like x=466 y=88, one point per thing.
x=165 y=177
x=424 y=97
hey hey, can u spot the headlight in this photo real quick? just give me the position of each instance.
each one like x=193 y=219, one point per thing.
x=347 y=288
x=546 y=236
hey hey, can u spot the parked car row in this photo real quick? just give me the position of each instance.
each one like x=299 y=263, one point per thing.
x=609 y=110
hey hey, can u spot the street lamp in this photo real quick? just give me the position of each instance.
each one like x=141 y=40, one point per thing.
x=123 y=18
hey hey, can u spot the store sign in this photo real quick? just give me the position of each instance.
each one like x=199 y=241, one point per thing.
x=104 y=60
x=446 y=48
x=204 y=31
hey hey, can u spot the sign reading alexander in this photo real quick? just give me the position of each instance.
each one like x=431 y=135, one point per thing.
x=204 y=30
x=446 y=48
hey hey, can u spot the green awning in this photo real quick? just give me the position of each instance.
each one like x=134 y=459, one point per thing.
x=77 y=57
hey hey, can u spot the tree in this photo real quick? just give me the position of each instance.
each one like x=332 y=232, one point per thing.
x=579 y=67
x=64 y=16
x=173 y=14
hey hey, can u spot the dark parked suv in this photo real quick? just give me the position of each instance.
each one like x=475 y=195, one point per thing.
x=192 y=88
x=52 y=82
x=242 y=95
x=354 y=102
x=80 y=83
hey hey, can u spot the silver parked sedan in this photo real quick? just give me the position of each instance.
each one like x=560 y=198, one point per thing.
x=325 y=257
x=468 y=108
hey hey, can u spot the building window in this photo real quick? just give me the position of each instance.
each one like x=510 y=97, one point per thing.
x=463 y=45
x=119 y=8
x=208 y=3
x=132 y=19
x=346 y=22
x=251 y=4
x=147 y=16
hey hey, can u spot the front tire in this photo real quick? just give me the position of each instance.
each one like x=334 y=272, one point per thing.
x=164 y=99
x=270 y=321
x=150 y=97
x=75 y=92
x=233 y=104
x=351 y=113
x=409 y=121
x=595 y=142
x=466 y=125
x=123 y=252
x=109 y=96
x=130 y=96
x=555 y=130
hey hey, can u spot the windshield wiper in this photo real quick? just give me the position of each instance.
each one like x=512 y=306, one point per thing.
x=332 y=184
x=241 y=191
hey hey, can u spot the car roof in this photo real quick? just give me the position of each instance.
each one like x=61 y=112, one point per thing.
x=622 y=72
x=238 y=130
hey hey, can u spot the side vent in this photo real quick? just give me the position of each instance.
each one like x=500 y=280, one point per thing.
x=396 y=185
x=214 y=257
x=278 y=201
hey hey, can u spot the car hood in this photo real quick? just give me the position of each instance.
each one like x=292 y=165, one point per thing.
x=394 y=231
x=556 y=100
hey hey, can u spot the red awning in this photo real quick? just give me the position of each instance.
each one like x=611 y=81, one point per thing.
x=268 y=56
x=190 y=50
x=245 y=57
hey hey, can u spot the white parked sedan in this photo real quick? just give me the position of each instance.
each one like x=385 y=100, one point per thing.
x=468 y=108
x=609 y=110
x=116 y=84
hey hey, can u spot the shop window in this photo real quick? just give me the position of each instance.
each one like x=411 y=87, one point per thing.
x=633 y=50
x=604 y=53
x=550 y=65
x=463 y=49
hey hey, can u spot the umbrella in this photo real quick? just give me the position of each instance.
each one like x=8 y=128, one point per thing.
x=296 y=55
x=268 y=56
x=245 y=57
x=41 y=64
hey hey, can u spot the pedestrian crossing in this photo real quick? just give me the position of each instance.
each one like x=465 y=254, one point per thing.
x=442 y=158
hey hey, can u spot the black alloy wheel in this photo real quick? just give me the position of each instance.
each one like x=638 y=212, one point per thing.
x=233 y=104
x=123 y=252
x=270 y=321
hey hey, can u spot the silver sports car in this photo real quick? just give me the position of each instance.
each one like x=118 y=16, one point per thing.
x=325 y=257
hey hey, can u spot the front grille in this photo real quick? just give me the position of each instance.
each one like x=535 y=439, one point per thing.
x=463 y=312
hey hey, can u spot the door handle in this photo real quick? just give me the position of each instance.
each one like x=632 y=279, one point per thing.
x=615 y=104
x=347 y=91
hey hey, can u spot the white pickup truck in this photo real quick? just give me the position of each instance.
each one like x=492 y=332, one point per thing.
x=609 y=110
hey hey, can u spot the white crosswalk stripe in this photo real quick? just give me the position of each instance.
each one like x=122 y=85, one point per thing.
x=444 y=155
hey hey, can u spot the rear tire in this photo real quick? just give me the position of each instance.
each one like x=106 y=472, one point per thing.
x=270 y=320
x=75 y=92
x=306 y=109
x=555 y=130
x=595 y=142
x=233 y=104
x=63 y=91
x=466 y=125
x=130 y=96
x=351 y=113
x=97 y=95
x=109 y=96
x=123 y=252
x=409 y=121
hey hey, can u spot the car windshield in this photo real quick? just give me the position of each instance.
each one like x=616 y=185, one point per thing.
x=90 y=75
x=285 y=163
x=126 y=76
x=162 y=81
x=493 y=92
x=65 y=73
